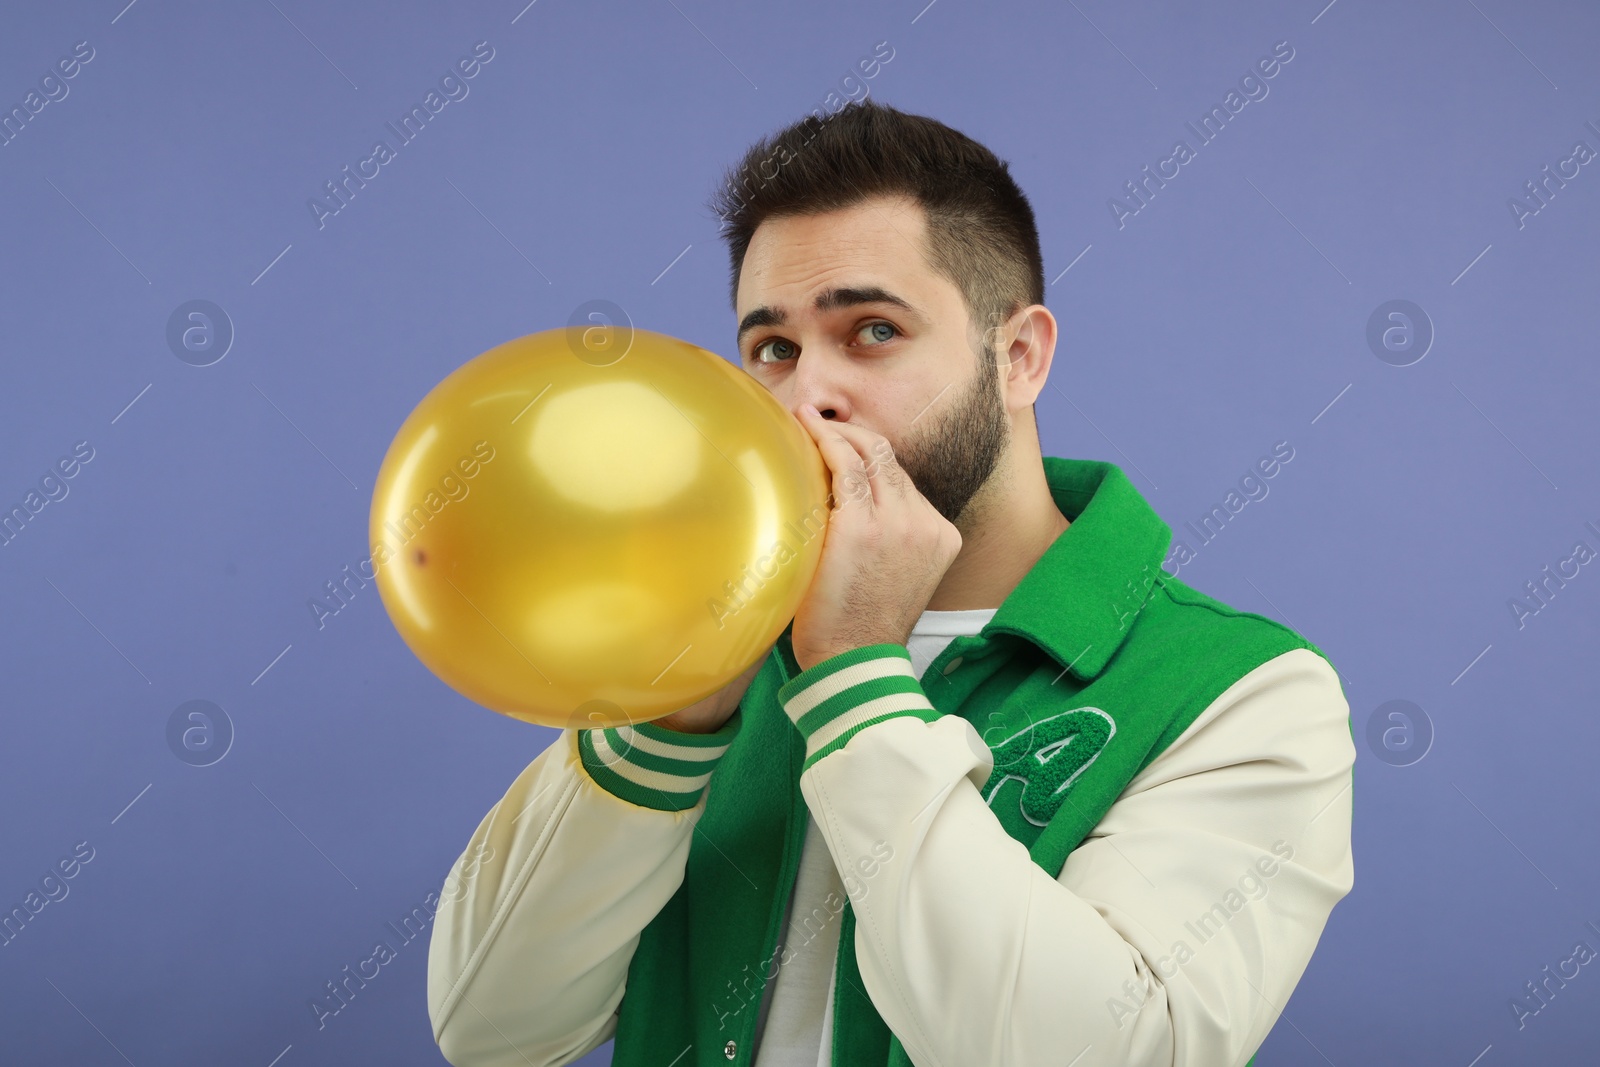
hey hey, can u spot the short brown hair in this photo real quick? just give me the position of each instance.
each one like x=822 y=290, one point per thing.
x=981 y=230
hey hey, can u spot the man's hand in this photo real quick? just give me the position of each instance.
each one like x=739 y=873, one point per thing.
x=886 y=550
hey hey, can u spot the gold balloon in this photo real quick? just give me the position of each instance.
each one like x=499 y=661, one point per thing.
x=594 y=526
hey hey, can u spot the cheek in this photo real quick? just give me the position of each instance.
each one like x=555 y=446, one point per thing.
x=779 y=391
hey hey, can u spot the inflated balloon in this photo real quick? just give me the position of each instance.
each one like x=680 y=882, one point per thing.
x=595 y=526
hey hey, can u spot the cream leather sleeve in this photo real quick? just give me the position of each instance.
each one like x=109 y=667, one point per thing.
x=1177 y=929
x=541 y=913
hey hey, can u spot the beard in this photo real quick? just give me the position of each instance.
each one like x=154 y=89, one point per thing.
x=952 y=456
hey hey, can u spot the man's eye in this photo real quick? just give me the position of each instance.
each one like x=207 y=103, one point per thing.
x=778 y=343
x=783 y=350
x=889 y=331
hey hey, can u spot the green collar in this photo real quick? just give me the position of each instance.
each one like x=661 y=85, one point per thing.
x=1076 y=602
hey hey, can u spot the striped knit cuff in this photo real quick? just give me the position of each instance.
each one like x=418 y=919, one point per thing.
x=831 y=701
x=652 y=766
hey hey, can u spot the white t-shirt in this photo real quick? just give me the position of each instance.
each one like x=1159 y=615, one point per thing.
x=798 y=1014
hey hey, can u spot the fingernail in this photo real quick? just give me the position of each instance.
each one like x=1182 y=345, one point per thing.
x=809 y=409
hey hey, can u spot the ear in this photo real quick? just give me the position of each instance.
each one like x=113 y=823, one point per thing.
x=1024 y=346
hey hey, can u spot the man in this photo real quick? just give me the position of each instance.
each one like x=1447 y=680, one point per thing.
x=1004 y=792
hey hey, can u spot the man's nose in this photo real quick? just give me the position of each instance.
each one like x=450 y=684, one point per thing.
x=823 y=409
x=820 y=393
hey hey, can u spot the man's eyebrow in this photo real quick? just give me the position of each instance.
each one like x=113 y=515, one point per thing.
x=828 y=300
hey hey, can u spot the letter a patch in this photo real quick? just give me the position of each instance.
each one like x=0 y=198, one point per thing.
x=1045 y=758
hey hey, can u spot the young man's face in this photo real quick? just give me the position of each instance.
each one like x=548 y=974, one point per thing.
x=906 y=371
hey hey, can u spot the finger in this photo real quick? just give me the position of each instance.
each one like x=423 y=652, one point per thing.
x=885 y=476
x=820 y=428
x=850 y=470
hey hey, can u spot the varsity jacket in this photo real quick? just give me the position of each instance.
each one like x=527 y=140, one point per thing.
x=1028 y=880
